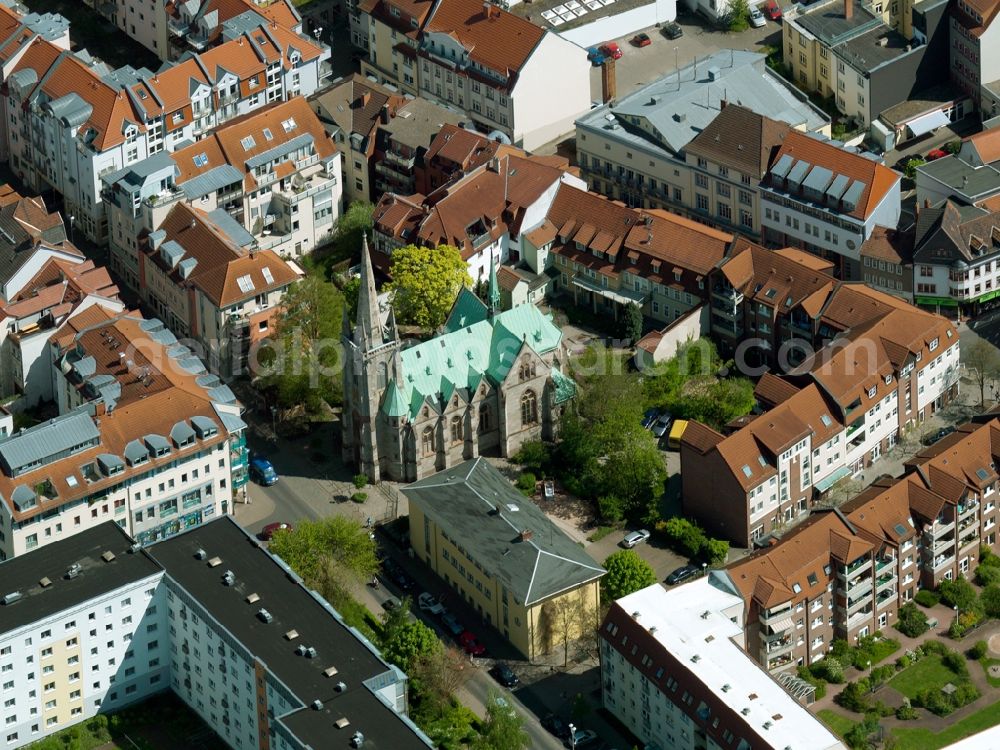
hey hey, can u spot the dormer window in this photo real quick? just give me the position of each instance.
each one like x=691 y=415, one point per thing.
x=677 y=274
x=933 y=345
x=871 y=392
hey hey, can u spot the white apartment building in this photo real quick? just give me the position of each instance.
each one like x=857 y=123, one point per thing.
x=474 y=56
x=145 y=437
x=672 y=673
x=275 y=172
x=95 y=623
x=821 y=198
x=68 y=651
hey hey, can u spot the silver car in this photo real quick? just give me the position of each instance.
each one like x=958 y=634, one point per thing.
x=635 y=537
x=756 y=17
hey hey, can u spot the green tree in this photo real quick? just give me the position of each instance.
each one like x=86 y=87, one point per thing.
x=503 y=727
x=408 y=643
x=990 y=599
x=300 y=365
x=564 y=620
x=350 y=290
x=395 y=618
x=631 y=466
x=958 y=593
x=330 y=555
x=910 y=170
x=738 y=18
x=911 y=621
x=437 y=674
x=425 y=281
x=631 y=322
x=452 y=728
x=983 y=362
x=715 y=551
x=347 y=232
x=627 y=572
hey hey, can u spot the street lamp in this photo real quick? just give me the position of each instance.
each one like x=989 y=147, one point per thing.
x=704 y=569
x=72 y=220
x=572 y=736
x=871 y=682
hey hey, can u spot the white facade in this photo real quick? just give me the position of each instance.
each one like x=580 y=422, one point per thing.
x=101 y=655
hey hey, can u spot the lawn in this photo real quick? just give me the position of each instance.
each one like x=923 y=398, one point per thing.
x=929 y=672
x=839 y=723
x=924 y=739
x=987 y=662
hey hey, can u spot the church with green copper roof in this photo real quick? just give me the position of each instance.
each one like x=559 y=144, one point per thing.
x=486 y=383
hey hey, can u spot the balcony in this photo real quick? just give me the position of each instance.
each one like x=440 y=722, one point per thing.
x=941 y=545
x=855 y=568
x=964 y=511
x=400 y=160
x=969 y=539
x=780 y=646
x=884 y=562
x=943 y=560
x=858 y=619
x=779 y=662
x=885 y=598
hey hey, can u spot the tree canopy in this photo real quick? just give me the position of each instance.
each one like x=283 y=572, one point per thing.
x=329 y=554
x=983 y=360
x=627 y=572
x=503 y=727
x=408 y=643
x=425 y=282
x=300 y=366
x=347 y=233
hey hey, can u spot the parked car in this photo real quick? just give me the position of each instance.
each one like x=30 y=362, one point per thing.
x=635 y=537
x=581 y=738
x=504 y=675
x=467 y=640
x=429 y=603
x=268 y=531
x=641 y=40
x=662 y=424
x=772 y=10
x=452 y=624
x=612 y=50
x=672 y=31
x=396 y=574
x=942 y=433
x=936 y=153
x=262 y=471
x=649 y=418
x=683 y=573
x=556 y=726
x=390 y=604
x=595 y=56
x=756 y=17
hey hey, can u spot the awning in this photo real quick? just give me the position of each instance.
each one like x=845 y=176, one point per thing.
x=827 y=482
x=783 y=624
x=942 y=301
x=927 y=123
x=621 y=296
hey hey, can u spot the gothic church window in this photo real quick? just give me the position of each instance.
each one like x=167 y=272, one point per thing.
x=529 y=408
x=383 y=374
x=456 y=430
x=427 y=441
x=484 y=418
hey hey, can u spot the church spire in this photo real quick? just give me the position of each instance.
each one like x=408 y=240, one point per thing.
x=369 y=321
x=494 y=290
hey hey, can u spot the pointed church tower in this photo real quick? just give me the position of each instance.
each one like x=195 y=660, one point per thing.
x=369 y=320
x=494 y=290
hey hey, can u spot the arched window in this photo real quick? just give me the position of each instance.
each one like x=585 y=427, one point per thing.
x=529 y=408
x=485 y=418
x=383 y=374
x=427 y=441
x=527 y=369
x=456 y=430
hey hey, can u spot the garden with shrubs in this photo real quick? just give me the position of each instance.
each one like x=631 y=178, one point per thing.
x=928 y=681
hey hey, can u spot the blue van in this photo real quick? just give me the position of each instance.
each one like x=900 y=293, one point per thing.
x=262 y=472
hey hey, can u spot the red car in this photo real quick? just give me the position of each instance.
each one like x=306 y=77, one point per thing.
x=467 y=640
x=268 y=531
x=936 y=154
x=641 y=40
x=612 y=50
x=772 y=10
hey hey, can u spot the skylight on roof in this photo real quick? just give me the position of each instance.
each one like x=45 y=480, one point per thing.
x=900 y=529
x=245 y=283
x=747 y=471
x=796 y=588
x=762 y=461
x=200 y=160
x=982 y=474
x=268 y=276
x=268 y=134
x=770 y=293
x=825 y=419
x=248 y=143
x=71 y=481
x=288 y=125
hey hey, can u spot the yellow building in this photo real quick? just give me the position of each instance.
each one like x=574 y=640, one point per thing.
x=503 y=555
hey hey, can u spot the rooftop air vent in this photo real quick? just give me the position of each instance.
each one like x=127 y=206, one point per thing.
x=357 y=740
x=317 y=705
x=746 y=711
x=134 y=548
x=330 y=671
x=264 y=616
x=228 y=578
x=10 y=598
x=301 y=649
x=108 y=556
x=310 y=653
x=73 y=570
x=340 y=687
x=215 y=562
x=200 y=554
x=705 y=615
x=341 y=722
x=636 y=615
x=253 y=598
x=767 y=724
x=45 y=582
x=696 y=658
x=291 y=635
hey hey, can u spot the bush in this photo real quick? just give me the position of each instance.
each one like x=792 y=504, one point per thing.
x=910 y=171
x=942 y=704
x=611 y=509
x=533 y=456
x=987 y=557
x=988 y=575
x=526 y=482
x=906 y=712
x=965 y=621
x=359 y=497
x=978 y=650
x=804 y=674
x=872 y=648
x=911 y=622
x=934 y=647
x=927 y=598
x=683 y=535
x=855 y=696
x=903 y=662
x=958 y=593
x=830 y=669
x=954 y=661
x=715 y=551
x=360 y=481
x=990 y=599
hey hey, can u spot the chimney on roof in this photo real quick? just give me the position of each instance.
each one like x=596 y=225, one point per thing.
x=927 y=202
x=609 y=83
x=365 y=98
x=383 y=115
x=525 y=535
x=722 y=104
x=100 y=409
x=848 y=9
x=489 y=10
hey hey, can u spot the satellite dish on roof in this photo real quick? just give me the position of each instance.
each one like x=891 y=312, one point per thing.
x=500 y=137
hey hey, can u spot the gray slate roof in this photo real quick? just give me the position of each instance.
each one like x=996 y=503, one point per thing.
x=462 y=501
x=677 y=110
x=49 y=439
x=232 y=228
x=210 y=181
